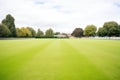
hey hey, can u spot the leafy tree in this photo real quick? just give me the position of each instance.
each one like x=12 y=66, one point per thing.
x=49 y=32
x=112 y=28
x=56 y=33
x=39 y=33
x=78 y=32
x=119 y=30
x=19 y=32
x=102 y=32
x=9 y=22
x=33 y=32
x=4 y=31
x=90 y=30
x=25 y=32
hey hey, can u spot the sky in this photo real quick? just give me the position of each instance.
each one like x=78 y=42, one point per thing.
x=60 y=15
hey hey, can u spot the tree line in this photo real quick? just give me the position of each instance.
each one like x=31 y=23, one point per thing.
x=109 y=29
x=8 y=29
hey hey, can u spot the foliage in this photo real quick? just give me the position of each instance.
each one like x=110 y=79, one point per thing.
x=49 y=32
x=19 y=32
x=112 y=28
x=26 y=32
x=39 y=33
x=9 y=22
x=23 y=32
x=101 y=32
x=90 y=30
x=78 y=32
x=119 y=30
x=33 y=32
x=8 y=29
x=56 y=33
x=44 y=36
x=4 y=31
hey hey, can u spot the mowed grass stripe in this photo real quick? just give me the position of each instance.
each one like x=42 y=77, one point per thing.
x=20 y=55
x=81 y=67
x=59 y=59
x=46 y=65
x=61 y=62
x=105 y=54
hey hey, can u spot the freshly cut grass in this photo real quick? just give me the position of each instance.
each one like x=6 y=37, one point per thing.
x=60 y=59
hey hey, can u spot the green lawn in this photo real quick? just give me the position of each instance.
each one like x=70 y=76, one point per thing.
x=59 y=59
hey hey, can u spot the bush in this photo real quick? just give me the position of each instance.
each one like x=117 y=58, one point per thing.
x=45 y=37
x=51 y=37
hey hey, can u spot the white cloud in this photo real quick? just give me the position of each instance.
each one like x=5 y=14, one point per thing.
x=61 y=15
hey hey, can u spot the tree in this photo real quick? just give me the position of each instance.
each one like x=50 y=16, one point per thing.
x=39 y=33
x=78 y=32
x=4 y=31
x=56 y=33
x=102 y=32
x=9 y=22
x=112 y=28
x=49 y=32
x=90 y=30
x=19 y=32
x=119 y=30
x=25 y=32
x=33 y=32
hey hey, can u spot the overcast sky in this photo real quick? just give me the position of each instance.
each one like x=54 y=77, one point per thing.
x=60 y=15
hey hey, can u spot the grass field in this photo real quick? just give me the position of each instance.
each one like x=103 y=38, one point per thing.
x=59 y=59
